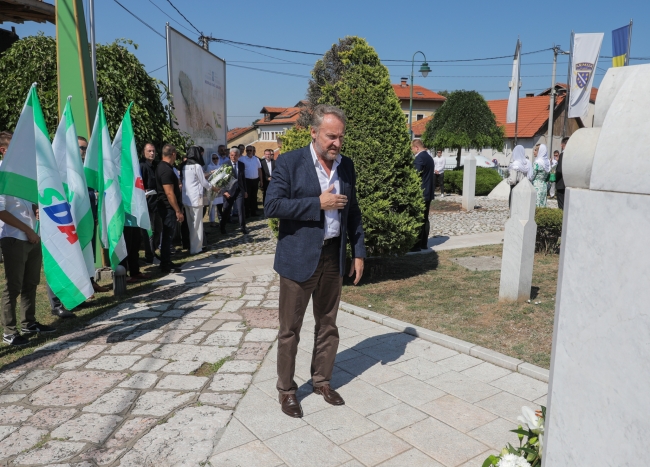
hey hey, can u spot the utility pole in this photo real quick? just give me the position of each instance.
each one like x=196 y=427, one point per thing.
x=204 y=42
x=567 y=99
x=551 y=106
x=629 y=45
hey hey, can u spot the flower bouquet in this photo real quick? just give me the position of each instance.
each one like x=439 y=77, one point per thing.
x=221 y=178
x=528 y=454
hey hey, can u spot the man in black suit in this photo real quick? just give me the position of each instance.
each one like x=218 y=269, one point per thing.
x=424 y=165
x=559 y=179
x=313 y=193
x=236 y=193
x=268 y=166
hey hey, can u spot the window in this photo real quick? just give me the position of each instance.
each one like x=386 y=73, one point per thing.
x=270 y=135
x=419 y=116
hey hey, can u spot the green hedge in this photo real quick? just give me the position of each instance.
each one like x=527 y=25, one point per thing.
x=549 y=230
x=486 y=180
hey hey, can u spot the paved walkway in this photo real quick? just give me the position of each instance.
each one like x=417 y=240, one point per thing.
x=137 y=387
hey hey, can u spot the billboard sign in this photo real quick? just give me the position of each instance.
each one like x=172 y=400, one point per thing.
x=197 y=82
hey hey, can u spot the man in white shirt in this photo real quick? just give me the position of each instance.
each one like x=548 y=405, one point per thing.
x=21 y=248
x=253 y=180
x=439 y=173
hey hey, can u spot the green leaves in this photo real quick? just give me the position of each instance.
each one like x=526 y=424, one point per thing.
x=464 y=121
x=121 y=79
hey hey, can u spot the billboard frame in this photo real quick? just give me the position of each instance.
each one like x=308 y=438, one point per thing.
x=169 y=28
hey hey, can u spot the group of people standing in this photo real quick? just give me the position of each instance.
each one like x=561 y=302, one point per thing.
x=543 y=173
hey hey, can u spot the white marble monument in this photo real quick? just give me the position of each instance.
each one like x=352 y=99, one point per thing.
x=519 y=245
x=469 y=182
x=600 y=364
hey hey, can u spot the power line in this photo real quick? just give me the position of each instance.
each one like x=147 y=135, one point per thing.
x=269 y=71
x=270 y=56
x=188 y=21
x=136 y=17
x=168 y=16
x=159 y=68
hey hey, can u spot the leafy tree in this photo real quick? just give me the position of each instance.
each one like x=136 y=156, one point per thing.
x=121 y=78
x=295 y=138
x=444 y=93
x=463 y=121
x=351 y=76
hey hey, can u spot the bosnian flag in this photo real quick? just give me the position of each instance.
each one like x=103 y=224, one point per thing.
x=71 y=171
x=134 y=200
x=102 y=176
x=30 y=172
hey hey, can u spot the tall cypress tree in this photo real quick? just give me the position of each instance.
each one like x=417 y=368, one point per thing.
x=351 y=76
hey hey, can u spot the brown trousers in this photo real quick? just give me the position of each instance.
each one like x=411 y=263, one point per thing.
x=324 y=286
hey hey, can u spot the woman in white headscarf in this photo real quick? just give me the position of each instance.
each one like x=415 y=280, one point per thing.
x=518 y=169
x=539 y=174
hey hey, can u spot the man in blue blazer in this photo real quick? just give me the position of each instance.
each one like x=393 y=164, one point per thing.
x=236 y=193
x=424 y=165
x=313 y=193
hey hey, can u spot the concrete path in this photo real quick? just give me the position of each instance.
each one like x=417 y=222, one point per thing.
x=137 y=387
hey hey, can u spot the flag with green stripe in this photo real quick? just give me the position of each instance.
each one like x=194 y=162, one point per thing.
x=102 y=175
x=71 y=171
x=125 y=154
x=30 y=172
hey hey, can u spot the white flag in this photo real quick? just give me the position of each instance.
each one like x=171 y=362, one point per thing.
x=584 y=60
x=513 y=99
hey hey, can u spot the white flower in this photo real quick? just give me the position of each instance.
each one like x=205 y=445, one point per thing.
x=512 y=460
x=531 y=420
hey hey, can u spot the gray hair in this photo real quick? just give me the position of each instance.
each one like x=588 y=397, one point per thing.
x=236 y=151
x=321 y=110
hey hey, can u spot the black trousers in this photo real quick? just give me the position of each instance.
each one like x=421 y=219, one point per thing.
x=227 y=209
x=132 y=261
x=168 y=217
x=185 y=233
x=560 y=198
x=252 y=187
x=426 y=227
x=439 y=181
x=151 y=244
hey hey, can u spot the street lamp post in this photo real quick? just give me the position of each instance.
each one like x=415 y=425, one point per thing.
x=424 y=69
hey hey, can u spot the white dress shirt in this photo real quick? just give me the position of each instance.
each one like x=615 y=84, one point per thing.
x=332 y=216
x=252 y=164
x=193 y=184
x=269 y=164
x=439 y=164
x=22 y=210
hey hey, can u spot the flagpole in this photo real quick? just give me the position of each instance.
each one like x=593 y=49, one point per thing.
x=93 y=47
x=518 y=86
x=629 y=45
x=551 y=106
x=567 y=101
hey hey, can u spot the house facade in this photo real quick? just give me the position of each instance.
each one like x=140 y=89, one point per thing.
x=425 y=101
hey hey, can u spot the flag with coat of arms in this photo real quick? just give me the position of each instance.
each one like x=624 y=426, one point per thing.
x=30 y=172
x=102 y=176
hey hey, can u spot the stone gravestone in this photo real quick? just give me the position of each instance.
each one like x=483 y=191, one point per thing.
x=519 y=245
x=469 y=182
x=600 y=363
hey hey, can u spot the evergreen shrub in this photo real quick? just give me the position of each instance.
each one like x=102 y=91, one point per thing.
x=486 y=180
x=549 y=230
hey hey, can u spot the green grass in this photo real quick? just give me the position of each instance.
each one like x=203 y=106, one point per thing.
x=431 y=291
x=208 y=369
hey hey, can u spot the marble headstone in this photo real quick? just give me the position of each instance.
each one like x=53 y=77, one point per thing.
x=600 y=363
x=469 y=182
x=519 y=245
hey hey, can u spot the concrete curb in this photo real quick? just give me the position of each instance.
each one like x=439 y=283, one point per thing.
x=458 y=345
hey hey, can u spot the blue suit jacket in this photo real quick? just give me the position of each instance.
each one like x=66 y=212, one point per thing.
x=293 y=197
x=239 y=188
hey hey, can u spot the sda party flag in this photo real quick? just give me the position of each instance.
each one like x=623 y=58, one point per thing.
x=30 y=172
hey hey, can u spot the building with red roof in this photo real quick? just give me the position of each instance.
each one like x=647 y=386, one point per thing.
x=425 y=101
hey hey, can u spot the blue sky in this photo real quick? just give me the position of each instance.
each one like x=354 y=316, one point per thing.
x=442 y=30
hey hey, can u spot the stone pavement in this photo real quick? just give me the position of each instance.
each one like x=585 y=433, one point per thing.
x=137 y=387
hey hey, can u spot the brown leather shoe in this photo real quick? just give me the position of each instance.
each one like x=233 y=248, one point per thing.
x=99 y=288
x=290 y=405
x=329 y=394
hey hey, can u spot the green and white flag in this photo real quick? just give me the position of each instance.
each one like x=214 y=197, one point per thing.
x=30 y=172
x=131 y=184
x=71 y=171
x=102 y=176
